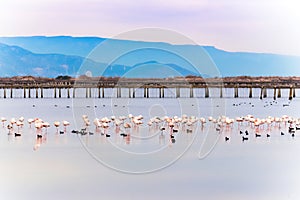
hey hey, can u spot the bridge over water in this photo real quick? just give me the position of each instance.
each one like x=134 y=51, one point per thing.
x=33 y=87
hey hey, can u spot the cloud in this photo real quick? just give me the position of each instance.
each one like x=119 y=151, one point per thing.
x=64 y=66
x=38 y=70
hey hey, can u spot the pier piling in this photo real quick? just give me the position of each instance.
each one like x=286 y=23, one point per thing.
x=261 y=92
x=118 y=92
x=177 y=92
x=36 y=93
x=147 y=90
x=206 y=92
x=191 y=92
x=59 y=92
x=129 y=92
x=279 y=93
x=68 y=93
x=250 y=92
x=159 y=89
x=291 y=93
x=294 y=92
x=74 y=94
x=265 y=93
x=236 y=92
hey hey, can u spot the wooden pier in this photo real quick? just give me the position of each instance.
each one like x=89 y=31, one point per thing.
x=33 y=87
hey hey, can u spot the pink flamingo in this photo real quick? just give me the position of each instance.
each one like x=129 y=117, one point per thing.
x=57 y=124
x=3 y=120
x=65 y=124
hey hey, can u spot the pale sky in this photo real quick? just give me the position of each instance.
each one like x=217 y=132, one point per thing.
x=234 y=25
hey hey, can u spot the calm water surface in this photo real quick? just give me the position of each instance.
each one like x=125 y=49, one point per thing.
x=70 y=166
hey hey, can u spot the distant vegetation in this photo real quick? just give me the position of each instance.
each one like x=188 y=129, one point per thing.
x=63 y=77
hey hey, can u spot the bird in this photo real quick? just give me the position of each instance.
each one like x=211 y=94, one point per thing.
x=56 y=124
x=45 y=125
x=65 y=124
x=127 y=125
x=17 y=134
x=30 y=121
x=19 y=124
x=226 y=138
x=13 y=121
x=21 y=119
x=257 y=135
x=163 y=128
x=3 y=120
x=244 y=138
x=282 y=133
x=74 y=131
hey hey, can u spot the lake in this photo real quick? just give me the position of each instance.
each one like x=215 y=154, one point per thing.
x=198 y=165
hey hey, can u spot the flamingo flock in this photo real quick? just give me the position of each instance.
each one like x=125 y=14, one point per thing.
x=187 y=124
x=124 y=126
x=15 y=126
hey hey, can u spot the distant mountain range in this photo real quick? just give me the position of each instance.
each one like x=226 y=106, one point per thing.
x=64 y=55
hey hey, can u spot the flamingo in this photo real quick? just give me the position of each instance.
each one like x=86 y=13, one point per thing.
x=105 y=126
x=127 y=125
x=30 y=121
x=45 y=125
x=13 y=121
x=10 y=128
x=97 y=123
x=3 y=120
x=57 y=124
x=86 y=120
x=38 y=125
x=65 y=124
x=21 y=119
x=19 y=124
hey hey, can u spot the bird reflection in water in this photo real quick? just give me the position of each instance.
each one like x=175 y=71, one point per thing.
x=37 y=143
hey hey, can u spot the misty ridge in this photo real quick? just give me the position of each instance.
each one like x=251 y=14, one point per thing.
x=64 y=55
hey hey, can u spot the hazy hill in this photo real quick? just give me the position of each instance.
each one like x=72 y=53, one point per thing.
x=56 y=54
x=16 y=61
